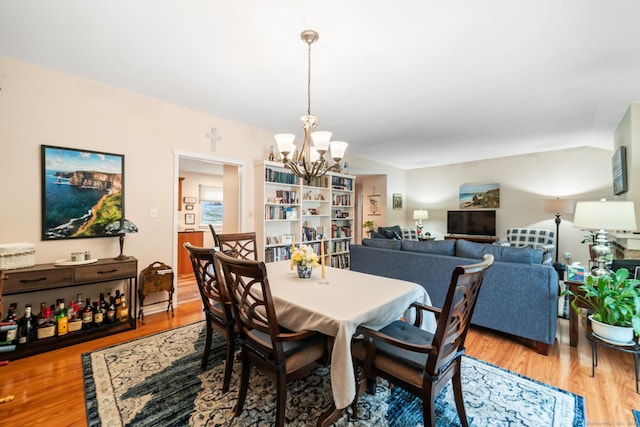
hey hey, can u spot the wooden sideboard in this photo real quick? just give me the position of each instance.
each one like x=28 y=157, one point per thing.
x=43 y=277
x=196 y=238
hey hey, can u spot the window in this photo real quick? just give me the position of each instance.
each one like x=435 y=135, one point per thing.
x=211 y=205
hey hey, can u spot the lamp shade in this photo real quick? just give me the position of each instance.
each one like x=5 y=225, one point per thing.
x=605 y=216
x=421 y=214
x=560 y=206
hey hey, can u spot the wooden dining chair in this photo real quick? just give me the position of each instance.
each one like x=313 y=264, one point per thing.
x=419 y=361
x=240 y=245
x=282 y=355
x=216 y=242
x=216 y=306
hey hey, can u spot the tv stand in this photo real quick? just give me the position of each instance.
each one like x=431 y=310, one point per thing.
x=477 y=239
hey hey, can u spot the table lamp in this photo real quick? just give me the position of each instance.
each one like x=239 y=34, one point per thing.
x=558 y=207
x=419 y=215
x=121 y=227
x=604 y=216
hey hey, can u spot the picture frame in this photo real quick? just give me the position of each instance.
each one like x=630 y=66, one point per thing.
x=480 y=196
x=619 y=171
x=374 y=204
x=188 y=207
x=397 y=201
x=287 y=239
x=190 y=200
x=189 y=218
x=82 y=192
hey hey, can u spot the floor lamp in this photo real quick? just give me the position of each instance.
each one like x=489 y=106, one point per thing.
x=558 y=207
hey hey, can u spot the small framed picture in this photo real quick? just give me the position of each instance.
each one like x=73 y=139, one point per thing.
x=190 y=200
x=397 y=201
x=188 y=207
x=287 y=239
x=190 y=218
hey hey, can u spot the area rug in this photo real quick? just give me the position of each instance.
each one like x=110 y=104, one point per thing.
x=636 y=416
x=157 y=381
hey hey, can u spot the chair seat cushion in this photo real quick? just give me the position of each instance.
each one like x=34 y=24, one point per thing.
x=408 y=333
x=298 y=353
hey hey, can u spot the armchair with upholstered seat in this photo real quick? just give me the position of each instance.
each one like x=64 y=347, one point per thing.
x=535 y=238
x=419 y=361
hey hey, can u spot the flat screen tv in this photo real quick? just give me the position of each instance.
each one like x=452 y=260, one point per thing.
x=472 y=222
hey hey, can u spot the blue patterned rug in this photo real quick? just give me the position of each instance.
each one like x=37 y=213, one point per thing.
x=636 y=416
x=157 y=381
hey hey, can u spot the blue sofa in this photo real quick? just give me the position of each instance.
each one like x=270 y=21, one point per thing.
x=518 y=296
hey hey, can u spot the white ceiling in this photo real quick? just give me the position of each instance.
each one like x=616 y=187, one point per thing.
x=411 y=83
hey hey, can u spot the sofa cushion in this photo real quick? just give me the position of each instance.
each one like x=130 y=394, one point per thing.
x=382 y=243
x=409 y=234
x=439 y=247
x=523 y=255
x=393 y=232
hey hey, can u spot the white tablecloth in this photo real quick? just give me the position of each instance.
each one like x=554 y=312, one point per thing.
x=348 y=300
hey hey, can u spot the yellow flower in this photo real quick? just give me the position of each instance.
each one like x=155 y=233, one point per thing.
x=305 y=255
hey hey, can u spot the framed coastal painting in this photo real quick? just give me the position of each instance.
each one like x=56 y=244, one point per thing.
x=480 y=196
x=619 y=170
x=82 y=192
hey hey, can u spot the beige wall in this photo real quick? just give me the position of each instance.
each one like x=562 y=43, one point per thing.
x=525 y=181
x=43 y=106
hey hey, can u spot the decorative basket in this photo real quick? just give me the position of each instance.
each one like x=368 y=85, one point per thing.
x=17 y=255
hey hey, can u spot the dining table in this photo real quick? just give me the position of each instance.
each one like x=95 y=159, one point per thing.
x=335 y=305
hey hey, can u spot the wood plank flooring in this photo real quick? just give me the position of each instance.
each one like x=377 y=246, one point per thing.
x=48 y=388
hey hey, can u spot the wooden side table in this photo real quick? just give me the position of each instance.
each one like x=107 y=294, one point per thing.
x=595 y=342
x=573 y=316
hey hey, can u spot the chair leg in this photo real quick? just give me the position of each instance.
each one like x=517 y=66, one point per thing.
x=281 y=397
x=244 y=383
x=361 y=384
x=228 y=365
x=207 y=346
x=457 y=393
x=429 y=406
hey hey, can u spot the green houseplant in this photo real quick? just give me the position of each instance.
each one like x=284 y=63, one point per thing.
x=368 y=225
x=614 y=300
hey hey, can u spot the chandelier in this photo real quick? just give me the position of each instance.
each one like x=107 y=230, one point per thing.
x=309 y=161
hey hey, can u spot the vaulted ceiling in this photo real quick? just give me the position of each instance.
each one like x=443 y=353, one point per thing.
x=412 y=83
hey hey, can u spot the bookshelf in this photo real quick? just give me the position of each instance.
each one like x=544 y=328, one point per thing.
x=298 y=213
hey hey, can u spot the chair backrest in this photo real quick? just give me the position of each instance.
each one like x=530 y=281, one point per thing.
x=250 y=295
x=454 y=320
x=216 y=241
x=533 y=237
x=239 y=245
x=212 y=291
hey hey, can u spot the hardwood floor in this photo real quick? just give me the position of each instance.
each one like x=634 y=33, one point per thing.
x=48 y=388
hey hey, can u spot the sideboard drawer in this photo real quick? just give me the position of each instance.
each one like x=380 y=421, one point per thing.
x=36 y=279
x=105 y=270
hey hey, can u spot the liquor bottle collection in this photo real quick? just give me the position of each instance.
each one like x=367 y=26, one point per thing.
x=61 y=319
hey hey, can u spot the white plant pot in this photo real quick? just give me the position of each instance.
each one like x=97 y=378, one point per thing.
x=611 y=333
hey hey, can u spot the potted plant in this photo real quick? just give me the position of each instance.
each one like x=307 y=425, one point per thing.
x=614 y=301
x=368 y=225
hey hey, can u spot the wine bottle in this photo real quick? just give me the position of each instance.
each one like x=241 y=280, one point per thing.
x=87 y=315
x=26 y=327
x=98 y=314
x=122 y=312
x=42 y=317
x=11 y=319
x=111 y=311
x=62 y=321
x=48 y=328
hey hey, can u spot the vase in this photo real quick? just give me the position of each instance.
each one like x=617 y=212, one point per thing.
x=304 y=271
x=610 y=333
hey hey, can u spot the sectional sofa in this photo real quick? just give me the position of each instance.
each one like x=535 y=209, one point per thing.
x=518 y=296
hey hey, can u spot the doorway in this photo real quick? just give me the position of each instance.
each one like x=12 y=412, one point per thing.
x=201 y=182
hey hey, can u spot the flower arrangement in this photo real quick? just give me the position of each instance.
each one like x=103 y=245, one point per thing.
x=305 y=255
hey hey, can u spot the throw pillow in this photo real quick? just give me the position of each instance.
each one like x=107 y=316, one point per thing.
x=523 y=255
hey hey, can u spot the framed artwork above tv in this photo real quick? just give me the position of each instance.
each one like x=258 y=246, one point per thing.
x=619 y=170
x=82 y=192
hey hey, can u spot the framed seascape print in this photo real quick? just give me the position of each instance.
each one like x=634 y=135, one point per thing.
x=480 y=196
x=619 y=170
x=397 y=201
x=82 y=192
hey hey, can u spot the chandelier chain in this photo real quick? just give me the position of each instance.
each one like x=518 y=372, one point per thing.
x=309 y=80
